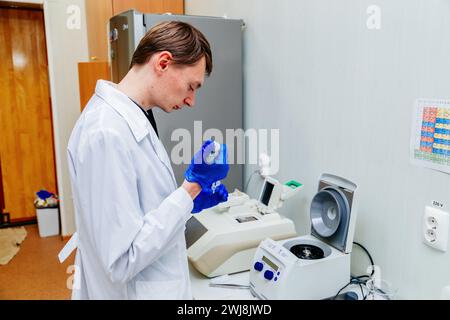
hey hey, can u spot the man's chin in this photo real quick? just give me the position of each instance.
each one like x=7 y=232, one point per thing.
x=167 y=110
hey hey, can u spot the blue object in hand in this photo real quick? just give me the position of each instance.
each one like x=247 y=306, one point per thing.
x=208 y=199
x=204 y=172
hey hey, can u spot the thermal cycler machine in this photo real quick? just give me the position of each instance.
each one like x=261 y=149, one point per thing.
x=223 y=240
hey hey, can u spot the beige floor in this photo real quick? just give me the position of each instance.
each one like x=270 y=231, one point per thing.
x=35 y=272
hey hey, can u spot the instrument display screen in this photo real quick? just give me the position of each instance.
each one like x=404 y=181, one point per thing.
x=270 y=263
x=267 y=193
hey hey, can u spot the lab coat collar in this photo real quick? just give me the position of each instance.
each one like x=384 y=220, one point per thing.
x=137 y=121
x=135 y=118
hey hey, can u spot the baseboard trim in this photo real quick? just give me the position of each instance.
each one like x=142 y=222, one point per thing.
x=18 y=223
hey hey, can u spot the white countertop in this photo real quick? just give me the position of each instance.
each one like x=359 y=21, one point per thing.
x=201 y=289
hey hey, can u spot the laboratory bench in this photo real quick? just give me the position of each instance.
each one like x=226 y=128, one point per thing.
x=201 y=289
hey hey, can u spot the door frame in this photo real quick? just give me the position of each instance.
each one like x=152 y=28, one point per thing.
x=34 y=7
x=64 y=87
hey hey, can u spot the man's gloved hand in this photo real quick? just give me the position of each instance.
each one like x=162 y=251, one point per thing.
x=205 y=174
x=208 y=199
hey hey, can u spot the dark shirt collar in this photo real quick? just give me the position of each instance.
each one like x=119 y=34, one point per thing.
x=150 y=117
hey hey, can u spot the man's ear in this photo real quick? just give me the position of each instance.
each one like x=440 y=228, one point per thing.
x=164 y=60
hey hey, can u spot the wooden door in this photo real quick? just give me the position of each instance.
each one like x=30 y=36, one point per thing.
x=26 y=137
x=88 y=75
x=98 y=13
x=149 y=6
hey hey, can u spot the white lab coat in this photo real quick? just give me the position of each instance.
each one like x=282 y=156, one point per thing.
x=130 y=216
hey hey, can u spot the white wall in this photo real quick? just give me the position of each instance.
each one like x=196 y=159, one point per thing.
x=66 y=47
x=342 y=96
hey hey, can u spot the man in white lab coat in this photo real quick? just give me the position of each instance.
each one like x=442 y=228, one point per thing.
x=130 y=214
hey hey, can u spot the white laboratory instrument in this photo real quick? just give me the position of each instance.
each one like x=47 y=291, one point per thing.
x=223 y=240
x=314 y=266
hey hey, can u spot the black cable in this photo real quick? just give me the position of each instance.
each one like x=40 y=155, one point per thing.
x=362 y=292
x=368 y=254
x=337 y=294
x=358 y=279
x=351 y=282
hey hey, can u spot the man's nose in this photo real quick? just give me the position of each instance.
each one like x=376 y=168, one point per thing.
x=190 y=101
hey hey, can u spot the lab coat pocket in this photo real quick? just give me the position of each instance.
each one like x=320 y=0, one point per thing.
x=159 y=290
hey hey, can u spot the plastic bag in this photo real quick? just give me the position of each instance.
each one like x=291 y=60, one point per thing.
x=46 y=199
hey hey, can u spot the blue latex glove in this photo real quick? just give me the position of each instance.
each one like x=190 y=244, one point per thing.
x=205 y=174
x=208 y=199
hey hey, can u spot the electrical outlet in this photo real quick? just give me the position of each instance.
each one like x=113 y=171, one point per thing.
x=435 y=228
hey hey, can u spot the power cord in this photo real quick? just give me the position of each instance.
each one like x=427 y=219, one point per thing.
x=368 y=254
x=358 y=280
x=362 y=291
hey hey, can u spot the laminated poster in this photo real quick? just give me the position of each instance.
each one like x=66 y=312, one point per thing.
x=430 y=137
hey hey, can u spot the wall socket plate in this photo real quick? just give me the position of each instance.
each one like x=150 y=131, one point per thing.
x=435 y=228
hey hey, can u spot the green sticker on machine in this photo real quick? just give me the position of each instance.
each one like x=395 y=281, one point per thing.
x=293 y=184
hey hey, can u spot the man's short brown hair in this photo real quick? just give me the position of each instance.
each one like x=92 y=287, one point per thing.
x=186 y=44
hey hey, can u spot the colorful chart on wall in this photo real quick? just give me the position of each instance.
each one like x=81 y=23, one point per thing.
x=430 y=137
